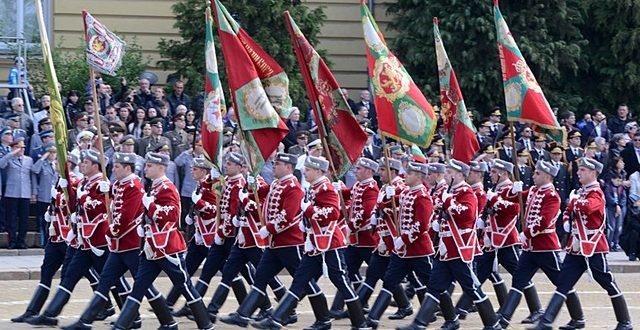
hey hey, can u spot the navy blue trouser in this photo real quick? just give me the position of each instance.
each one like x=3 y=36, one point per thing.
x=529 y=264
x=81 y=261
x=376 y=269
x=17 y=218
x=91 y=274
x=355 y=256
x=274 y=260
x=195 y=256
x=399 y=268
x=148 y=271
x=216 y=258
x=240 y=261
x=117 y=264
x=310 y=269
x=574 y=266
x=445 y=272
x=507 y=257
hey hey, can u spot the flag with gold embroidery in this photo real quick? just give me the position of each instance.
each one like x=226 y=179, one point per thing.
x=214 y=105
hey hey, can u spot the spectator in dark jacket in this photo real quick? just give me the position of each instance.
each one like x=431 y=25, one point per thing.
x=616 y=200
x=617 y=123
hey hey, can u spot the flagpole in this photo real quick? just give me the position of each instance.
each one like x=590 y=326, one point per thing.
x=386 y=152
x=96 y=114
x=516 y=173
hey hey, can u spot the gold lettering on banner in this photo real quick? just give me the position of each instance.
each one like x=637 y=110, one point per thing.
x=264 y=69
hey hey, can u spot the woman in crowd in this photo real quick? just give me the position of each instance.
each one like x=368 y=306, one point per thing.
x=135 y=127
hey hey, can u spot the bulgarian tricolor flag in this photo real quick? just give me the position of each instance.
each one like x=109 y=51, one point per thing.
x=337 y=125
x=403 y=111
x=214 y=105
x=247 y=66
x=523 y=96
x=457 y=124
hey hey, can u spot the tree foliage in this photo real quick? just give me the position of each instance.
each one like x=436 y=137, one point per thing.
x=584 y=53
x=262 y=20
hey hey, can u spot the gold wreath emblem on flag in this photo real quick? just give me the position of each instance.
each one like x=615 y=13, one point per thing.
x=412 y=119
x=256 y=102
x=389 y=80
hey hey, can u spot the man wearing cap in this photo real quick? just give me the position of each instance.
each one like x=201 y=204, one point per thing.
x=458 y=245
x=586 y=247
x=362 y=240
x=187 y=184
x=572 y=154
x=314 y=148
x=124 y=246
x=81 y=123
x=13 y=122
x=526 y=172
x=172 y=169
x=412 y=246
x=438 y=186
x=323 y=249
x=496 y=126
x=44 y=137
x=178 y=136
x=150 y=143
x=484 y=134
x=44 y=170
x=506 y=150
x=163 y=246
x=539 y=152
x=540 y=243
x=561 y=183
x=300 y=148
x=44 y=125
x=92 y=227
x=17 y=193
x=371 y=150
x=281 y=214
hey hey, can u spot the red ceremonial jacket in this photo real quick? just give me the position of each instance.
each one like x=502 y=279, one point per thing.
x=461 y=211
x=364 y=195
x=92 y=220
x=229 y=205
x=163 y=235
x=323 y=216
x=248 y=235
x=206 y=213
x=126 y=213
x=586 y=214
x=386 y=227
x=481 y=196
x=436 y=197
x=501 y=225
x=282 y=212
x=541 y=213
x=61 y=209
x=416 y=211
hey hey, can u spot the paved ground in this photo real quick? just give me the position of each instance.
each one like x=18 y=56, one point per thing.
x=19 y=270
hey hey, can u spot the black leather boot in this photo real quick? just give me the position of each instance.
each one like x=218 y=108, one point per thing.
x=405 y=308
x=448 y=313
x=506 y=311
x=266 y=308
x=238 y=290
x=574 y=307
x=622 y=313
x=364 y=293
x=219 y=296
x=280 y=314
x=242 y=316
x=337 y=307
x=35 y=305
x=464 y=306
x=321 y=313
x=128 y=314
x=356 y=315
x=172 y=297
x=378 y=308
x=163 y=313
x=49 y=317
x=488 y=315
x=117 y=298
x=200 y=315
x=546 y=321
x=535 y=307
x=425 y=314
x=501 y=292
x=201 y=288
x=96 y=304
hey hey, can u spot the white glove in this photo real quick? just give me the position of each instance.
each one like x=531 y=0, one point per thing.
x=54 y=191
x=337 y=186
x=218 y=240
x=147 y=200
x=47 y=217
x=251 y=180
x=198 y=237
x=195 y=196
x=235 y=222
x=240 y=238
x=264 y=232
x=70 y=236
x=566 y=226
x=487 y=241
x=573 y=195
x=398 y=243
x=140 y=231
x=308 y=245
x=73 y=218
x=301 y=226
x=380 y=195
x=103 y=186
x=188 y=220
x=517 y=187
x=390 y=191
x=214 y=173
x=63 y=183
x=445 y=196
x=523 y=238
x=243 y=194
x=304 y=205
x=382 y=247
x=81 y=193
x=479 y=223
x=491 y=194
x=373 y=220
x=435 y=225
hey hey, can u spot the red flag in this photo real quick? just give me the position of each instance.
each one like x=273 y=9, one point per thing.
x=338 y=126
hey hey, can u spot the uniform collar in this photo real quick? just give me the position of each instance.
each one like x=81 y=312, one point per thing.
x=365 y=181
x=235 y=177
x=286 y=177
x=94 y=177
x=128 y=178
x=592 y=185
x=418 y=187
x=477 y=185
x=546 y=186
x=503 y=183
x=319 y=181
x=159 y=180
x=458 y=185
x=396 y=179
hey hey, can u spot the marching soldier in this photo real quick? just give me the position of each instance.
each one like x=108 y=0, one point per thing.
x=281 y=213
x=458 y=245
x=587 y=247
x=124 y=245
x=385 y=226
x=411 y=245
x=438 y=186
x=362 y=240
x=92 y=228
x=323 y=248
x=163 y=246
x=540 y=242
x=127 y=146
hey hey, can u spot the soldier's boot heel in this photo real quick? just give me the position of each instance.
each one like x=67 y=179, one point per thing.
x=89 y=315
x=546 y=321
x=49 y=317
x=128 y=314
x=488 y=315
x=200 y=315
x=320 y=311
x=219 y=297
x=448 y=312
x=622 y=313
x=35 y=305
x=574 y=307
x=280 y=314
x=506 y=311
x=163 y=313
